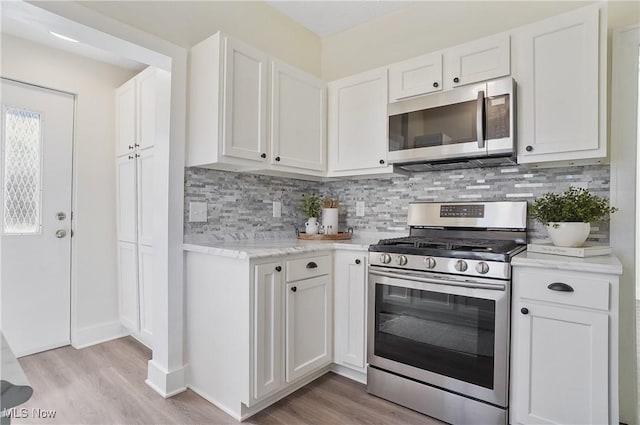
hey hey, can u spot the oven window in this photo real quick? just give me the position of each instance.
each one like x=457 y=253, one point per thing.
x=450 y=335
x=444 y=125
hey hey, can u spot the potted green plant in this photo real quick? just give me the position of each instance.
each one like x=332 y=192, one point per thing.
x=568 y=216
x=311 y=207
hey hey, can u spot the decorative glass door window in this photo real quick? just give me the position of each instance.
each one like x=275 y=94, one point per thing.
x=22 y=171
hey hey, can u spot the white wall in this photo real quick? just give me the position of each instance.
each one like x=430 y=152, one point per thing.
x=95 y=298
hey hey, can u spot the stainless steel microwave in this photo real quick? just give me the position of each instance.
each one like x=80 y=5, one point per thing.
x=471 y=122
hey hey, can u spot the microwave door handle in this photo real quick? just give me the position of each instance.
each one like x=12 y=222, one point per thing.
x=480 y=119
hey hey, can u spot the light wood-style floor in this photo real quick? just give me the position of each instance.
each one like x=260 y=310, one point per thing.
x=104 y=384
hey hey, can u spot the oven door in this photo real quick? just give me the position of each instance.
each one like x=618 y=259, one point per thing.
x=451 y=334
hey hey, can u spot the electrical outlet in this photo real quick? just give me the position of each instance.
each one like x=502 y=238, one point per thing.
x=197 y=212
x=277 y=209
x=360 y=209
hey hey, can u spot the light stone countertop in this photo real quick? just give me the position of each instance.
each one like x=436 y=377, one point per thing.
x=605 y=264
x=248 y=249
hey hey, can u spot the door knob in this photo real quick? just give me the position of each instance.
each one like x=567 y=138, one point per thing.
x=61 y=233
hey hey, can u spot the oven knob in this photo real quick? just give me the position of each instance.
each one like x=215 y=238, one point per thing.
x=401 y=260
x=482 y=267
x=461 y=265
x=385 y=258
x=430 y=262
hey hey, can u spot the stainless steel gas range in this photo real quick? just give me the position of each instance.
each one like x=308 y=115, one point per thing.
x=438 y=325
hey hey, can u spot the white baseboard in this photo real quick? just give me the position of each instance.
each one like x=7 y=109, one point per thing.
x=347 y=372
x=165 y=383
x=92 y=335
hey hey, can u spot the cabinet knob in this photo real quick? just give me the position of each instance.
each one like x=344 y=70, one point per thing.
x=278 y=158
x=130 y=156
x=130 y=147
x=456 y=80
x=357 y=261
x=294 y=289
x=524 y=310
x=436 y=84
x=529 y=148
x=264 y=155
x=381 y=161
x=278 y=268
x=136 y=145
x=137 y=155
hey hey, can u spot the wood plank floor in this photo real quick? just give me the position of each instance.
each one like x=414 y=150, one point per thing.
x=104 y=384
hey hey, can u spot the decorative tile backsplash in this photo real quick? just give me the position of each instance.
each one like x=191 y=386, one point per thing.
x=240 y=204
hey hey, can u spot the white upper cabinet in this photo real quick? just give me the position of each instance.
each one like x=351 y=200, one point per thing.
x=358 y=124
x=126 y=195
x=126 y=114
x=479 y=60
x=560 y=69
x=298 y=119
x=146 y=87
x=245 y=101
x=415 y=76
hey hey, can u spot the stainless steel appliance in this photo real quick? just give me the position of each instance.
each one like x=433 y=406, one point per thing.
x=438 y=310
x=468 y=126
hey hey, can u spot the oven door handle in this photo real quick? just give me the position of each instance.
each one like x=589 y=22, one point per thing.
x=413 y=277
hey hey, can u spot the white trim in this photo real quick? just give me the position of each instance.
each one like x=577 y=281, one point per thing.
x=623 y=125
x=165 y=383
x=350 y=373
x=92 y=335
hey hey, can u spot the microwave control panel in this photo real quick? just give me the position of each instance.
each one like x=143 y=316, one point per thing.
x=498 y=116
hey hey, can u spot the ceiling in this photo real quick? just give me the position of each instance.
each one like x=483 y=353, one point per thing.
x=29 y=22
x=330 y=17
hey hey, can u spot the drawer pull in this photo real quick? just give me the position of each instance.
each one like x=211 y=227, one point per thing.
x=312 y=265
x=559 y=286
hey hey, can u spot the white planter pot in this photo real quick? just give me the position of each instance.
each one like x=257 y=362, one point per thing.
x=568 y=234
x=311 y=226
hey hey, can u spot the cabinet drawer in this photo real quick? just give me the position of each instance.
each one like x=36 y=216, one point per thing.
x=305 y=268
x=587 y=291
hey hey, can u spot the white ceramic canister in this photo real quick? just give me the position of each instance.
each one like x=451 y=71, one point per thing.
x=330 y=220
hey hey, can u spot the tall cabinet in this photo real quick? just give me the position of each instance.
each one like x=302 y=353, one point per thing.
x=142 y=114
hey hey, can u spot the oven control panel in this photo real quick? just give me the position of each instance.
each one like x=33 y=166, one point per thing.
x=459 y=210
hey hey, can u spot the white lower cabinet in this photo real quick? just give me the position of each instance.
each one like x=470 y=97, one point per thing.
x=145 y=279
x=256 y=329
x=350 y=297
x=129 y=303
x=308 y=326
x=564 y=347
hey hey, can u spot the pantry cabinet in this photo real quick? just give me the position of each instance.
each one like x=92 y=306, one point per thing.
x=560 y=68
x=142 y=111
x=358 y=124
x=350 y=300
x=564 y=344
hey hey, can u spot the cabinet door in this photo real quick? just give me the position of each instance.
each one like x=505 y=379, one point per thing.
x=358 y=121
x=145 y=275
x=126 y=198
x=146 y=92
x=479 y=60
x=560 y=367
x=245 y=102
x=145 y=196
x=558 y=78
x=415 y=76
x=126 y=134
x=308 y=326
x=267 y=330
x=349 y=309
x=128 y=286
x=297 y=119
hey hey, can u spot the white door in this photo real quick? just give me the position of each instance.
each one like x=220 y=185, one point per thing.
x=308 y=326
x=37 y=140
x=145 y=275
x=415 y=76
x=126 y=197
x=126 y=118
x=349 y=304
x=145 y=196
x=128 y=286
x=478 y=60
